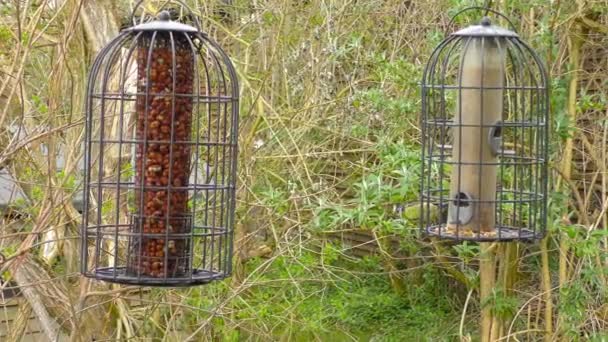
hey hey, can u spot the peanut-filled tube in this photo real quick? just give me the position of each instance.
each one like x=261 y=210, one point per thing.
x=161 y=222
x=476 y=129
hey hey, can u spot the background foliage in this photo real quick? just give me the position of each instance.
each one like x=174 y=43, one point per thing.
x=329 y=147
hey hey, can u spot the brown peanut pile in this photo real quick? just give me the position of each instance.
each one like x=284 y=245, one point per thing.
x=164 y=119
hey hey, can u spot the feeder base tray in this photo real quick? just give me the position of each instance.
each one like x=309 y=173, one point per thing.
x=498 y=234
x=119 y=275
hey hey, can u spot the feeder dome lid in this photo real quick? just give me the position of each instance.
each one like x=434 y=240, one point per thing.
x=163 y=23
x=485 y=29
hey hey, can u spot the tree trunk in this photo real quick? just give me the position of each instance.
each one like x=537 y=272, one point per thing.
x=100 y=26
x=100 y=23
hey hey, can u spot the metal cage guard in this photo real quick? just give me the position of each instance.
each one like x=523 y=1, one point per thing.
x=160 y=158
x=484 y=137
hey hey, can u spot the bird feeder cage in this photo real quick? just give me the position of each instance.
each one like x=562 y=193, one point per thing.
x=484 y=137
x=160 y=158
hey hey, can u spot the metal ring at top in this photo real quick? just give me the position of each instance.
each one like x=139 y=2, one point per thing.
x=197 y=24
x=479 y=8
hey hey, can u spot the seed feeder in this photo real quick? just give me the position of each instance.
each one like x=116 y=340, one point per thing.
x=484 y=137
x=160 y=157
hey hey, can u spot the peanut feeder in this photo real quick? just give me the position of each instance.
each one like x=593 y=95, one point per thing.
x=160 y=157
